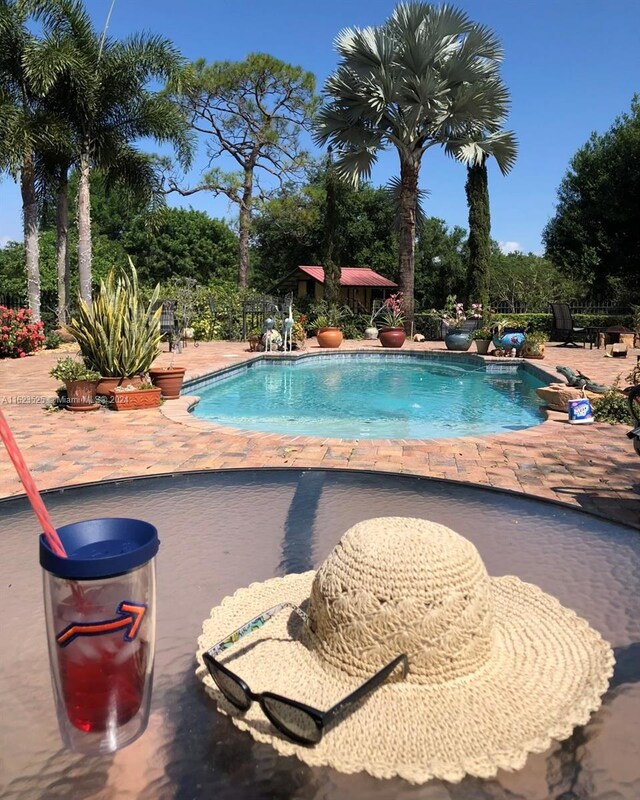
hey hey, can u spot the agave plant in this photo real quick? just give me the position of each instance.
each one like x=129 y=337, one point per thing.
x=118 y=335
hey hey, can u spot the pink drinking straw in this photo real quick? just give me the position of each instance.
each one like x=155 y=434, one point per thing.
x=30 y=488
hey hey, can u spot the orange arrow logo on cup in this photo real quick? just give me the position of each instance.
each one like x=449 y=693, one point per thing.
x=129 y=619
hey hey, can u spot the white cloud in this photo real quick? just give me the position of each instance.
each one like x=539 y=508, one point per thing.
x=510 y=247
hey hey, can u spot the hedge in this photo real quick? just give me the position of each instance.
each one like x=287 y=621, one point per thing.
x=430 y=327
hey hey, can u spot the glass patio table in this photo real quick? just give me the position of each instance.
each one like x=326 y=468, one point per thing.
x=223 y=530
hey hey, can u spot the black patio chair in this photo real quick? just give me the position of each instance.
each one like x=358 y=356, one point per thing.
x=168 y=325
x=564 y=329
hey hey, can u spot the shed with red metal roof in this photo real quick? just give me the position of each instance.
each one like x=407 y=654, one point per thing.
x=360 y=285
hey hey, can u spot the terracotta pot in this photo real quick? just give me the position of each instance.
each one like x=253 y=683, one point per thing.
x=81 y=395
x=107 y=385
x=482 y=346
x=329 y=337
x=392 y=337
x=168 y=380
x=135 y=400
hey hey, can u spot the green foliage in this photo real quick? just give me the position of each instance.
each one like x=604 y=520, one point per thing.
x=52 y=340
x=180 y=242
x=527 y=281
x=483 y=334
x=288 y=230
x=441 y=263
x=70 y=369
x=613 y=407
x=479 y=264
x=118 y=336
x=329 y=315
x=594 y=236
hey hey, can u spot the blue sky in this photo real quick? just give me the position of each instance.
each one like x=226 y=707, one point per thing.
x=571 y=67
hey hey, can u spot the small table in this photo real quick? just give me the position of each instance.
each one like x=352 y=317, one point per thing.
x=223 y=530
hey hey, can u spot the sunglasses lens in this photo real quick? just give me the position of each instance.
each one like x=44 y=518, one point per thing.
x=292 y=720
x=229 y=687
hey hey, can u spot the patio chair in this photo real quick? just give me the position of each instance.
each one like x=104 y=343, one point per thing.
x=168 y=325
x=563 y=327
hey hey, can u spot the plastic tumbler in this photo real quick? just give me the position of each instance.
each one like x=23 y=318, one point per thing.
x=100 y=619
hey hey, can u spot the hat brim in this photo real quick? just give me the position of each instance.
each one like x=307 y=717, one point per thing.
x=546 y=674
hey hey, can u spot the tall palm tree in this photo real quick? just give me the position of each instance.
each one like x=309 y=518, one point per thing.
x=108 y=106
x=24 y=132
x=426 y=76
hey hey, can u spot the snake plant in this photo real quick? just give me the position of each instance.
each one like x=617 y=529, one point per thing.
x=118 y=335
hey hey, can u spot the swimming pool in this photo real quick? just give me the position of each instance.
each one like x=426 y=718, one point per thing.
x=359 y=396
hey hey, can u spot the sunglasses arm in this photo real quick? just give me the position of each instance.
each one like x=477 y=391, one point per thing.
x=346 y=704
x=253 y=624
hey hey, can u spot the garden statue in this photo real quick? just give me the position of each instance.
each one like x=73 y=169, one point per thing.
x=287 y=328
x=267 y=335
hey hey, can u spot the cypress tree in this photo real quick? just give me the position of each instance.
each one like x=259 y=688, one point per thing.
x=477 y=189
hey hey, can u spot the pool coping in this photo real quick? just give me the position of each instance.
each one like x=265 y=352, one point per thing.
x=179 y=410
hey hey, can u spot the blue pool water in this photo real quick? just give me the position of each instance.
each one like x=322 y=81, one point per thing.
x=373 y=397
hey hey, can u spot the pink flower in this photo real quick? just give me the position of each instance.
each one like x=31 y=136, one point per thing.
x=23 y=354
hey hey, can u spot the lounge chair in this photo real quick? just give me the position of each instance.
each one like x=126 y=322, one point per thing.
x=563 y=327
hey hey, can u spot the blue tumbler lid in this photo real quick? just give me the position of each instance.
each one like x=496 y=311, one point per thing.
x=101 y=548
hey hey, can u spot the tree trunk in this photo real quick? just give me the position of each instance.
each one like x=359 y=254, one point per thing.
x=62 y=250
x=84 y=227
x=332 y=271
x=245 y=229
x=409 y=171
x=478 y=271
x=30 y=218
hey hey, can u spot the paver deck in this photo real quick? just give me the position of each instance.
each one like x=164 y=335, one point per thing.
x=593 y=466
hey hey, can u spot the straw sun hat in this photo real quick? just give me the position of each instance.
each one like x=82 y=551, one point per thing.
x=497 y=668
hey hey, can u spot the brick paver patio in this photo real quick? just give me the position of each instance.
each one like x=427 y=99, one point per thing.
x=593 y=466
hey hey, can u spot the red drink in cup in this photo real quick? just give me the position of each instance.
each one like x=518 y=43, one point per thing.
x=100 y=613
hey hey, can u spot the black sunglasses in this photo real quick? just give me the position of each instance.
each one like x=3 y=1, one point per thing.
x=297 y=721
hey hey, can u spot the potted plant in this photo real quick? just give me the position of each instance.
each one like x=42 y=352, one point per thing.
x=119 y=336
x=482 y=337
x=459 y=332
x=81 y=384
x=533 y=346
x=508 y=336
x=328 y=324
x=392 y=322
x=133 y=398
x=371 y=331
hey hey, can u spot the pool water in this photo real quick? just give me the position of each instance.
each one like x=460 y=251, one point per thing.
x=373 y=397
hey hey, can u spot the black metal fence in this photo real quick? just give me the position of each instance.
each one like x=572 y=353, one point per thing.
x=257 y=309
x=508 y=307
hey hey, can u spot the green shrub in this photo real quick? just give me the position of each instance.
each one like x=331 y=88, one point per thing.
x=52 y=340
x=70 y=369
x=613 y=407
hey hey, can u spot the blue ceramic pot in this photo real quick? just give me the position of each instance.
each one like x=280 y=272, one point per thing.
x=458 y=340
x=511 y=337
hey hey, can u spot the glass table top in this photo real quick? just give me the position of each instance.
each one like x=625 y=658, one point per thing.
x=223 y=530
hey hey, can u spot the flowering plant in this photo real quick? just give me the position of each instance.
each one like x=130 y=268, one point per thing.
x=392 y=311
x=18 y=335
x=453 y=314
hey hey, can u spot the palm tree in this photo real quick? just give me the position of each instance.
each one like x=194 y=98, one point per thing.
x=425 y=77
x=102 y=89
x=23 y=133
